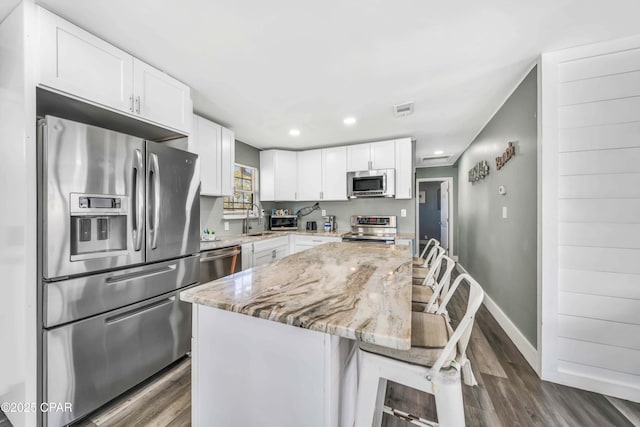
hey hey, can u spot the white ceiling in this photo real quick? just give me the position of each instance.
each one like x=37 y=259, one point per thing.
x=264 y=67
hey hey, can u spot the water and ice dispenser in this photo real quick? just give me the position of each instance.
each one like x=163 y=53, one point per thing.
x=98 y=225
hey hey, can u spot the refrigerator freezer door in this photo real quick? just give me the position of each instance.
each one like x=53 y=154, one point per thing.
x=66 y=301
x=173 y=203
x=91 y=198
x=88 y=363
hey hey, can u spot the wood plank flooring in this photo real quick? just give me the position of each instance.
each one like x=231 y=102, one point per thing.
x=509 y=393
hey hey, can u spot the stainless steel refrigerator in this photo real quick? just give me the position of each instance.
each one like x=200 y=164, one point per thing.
x=119 y=238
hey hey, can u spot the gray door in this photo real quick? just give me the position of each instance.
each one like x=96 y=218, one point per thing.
x=91 y=198
x=173 y=203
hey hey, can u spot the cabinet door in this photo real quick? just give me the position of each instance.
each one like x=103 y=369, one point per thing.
x=161 y=98
x=78 y=63
x=358 y=157
x=207 y=136
x=227 y=159
x=309 y=175
x=264 y=257
x=334 y=173
x=247 y=256
x=383 y=155
x=404 y=168
x=267 y=176
x=285 y=175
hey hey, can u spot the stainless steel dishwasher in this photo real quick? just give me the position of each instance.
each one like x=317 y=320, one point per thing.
x=218 y=263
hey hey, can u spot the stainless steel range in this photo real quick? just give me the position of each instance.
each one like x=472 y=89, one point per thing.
x=372 y=228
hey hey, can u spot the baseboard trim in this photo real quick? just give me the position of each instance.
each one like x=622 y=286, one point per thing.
x=523 y=345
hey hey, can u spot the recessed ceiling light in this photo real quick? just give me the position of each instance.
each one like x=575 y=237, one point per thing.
x=349 y=120
x=438 y=152
x=294 y=132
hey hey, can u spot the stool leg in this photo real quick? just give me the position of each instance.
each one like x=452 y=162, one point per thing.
x=449 y=404
x=371 y=392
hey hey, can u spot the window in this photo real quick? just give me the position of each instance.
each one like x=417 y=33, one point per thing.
x=245 y=185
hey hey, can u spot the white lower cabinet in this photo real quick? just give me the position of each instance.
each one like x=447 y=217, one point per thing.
x=301 y=242
x=405 y=242
x=247 y=256
x=269 y=250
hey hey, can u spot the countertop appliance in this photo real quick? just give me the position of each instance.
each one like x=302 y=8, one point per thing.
x=330 y=223
x=312 y=226
x=283 y=223
x=221 y=262
x=371 y=183
x=372 y=228
x=120 y=238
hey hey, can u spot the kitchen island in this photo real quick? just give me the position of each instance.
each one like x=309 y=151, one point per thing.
x=274 y=345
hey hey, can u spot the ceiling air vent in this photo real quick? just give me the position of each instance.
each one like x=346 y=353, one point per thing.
x=403 y=109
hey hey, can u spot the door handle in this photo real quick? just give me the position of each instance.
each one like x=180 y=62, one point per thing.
x=131 y=102
x=138 y=196
x=138 y=104
x=153 y=198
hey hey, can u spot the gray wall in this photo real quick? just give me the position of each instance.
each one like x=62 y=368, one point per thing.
x=344 y=210
x=501 y=254
x=446 y=172
x=428 y=212
x=211 y=208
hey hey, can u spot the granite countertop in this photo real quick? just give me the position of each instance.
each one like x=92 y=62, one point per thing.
x=353 y=290
x=240 y=239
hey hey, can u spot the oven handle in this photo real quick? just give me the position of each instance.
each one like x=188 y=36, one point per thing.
x=138 y=196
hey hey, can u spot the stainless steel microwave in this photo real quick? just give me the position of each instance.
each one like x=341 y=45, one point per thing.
x=371 y=183
x=283 y=222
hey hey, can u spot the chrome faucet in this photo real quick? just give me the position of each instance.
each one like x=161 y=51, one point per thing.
x=245 y=221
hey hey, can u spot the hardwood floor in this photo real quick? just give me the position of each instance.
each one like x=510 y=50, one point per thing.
x=509 y=393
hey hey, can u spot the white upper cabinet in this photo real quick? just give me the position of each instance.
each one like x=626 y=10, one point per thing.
x=375 y=155
x=215 y=147
x=161 y=98
x=207 y=138
x=278 y=175
x=309 y=175
x=404 y=168
x=76 y=62
x=358 y=157
x=383 y=155
x=80 y=64
x=227 y=158
x=334 y=173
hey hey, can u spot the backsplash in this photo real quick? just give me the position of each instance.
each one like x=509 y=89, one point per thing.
x=343 y=211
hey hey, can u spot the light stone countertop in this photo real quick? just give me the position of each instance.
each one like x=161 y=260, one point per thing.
x=240 y=239
x=353 y=290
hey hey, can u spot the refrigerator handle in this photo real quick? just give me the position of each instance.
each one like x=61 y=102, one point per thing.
x=138 y=197
x=153 y=198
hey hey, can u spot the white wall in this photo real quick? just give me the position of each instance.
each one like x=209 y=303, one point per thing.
x=591 y=218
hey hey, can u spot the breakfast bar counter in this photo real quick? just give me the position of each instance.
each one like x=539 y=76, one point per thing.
x=274 y=345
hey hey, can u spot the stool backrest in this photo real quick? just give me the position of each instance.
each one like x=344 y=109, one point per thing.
x=441 y=285
x=431 y=243
x=460 y=337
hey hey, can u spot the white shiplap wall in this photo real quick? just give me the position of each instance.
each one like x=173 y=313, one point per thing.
x=591 y=217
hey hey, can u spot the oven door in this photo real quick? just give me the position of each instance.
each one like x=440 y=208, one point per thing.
x=91 y=198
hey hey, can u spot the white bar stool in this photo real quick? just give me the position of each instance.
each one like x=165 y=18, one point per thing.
x=426 y=296
x=418 y=261
x=432 y=365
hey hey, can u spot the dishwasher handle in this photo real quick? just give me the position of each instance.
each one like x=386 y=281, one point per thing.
x=217 y=254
